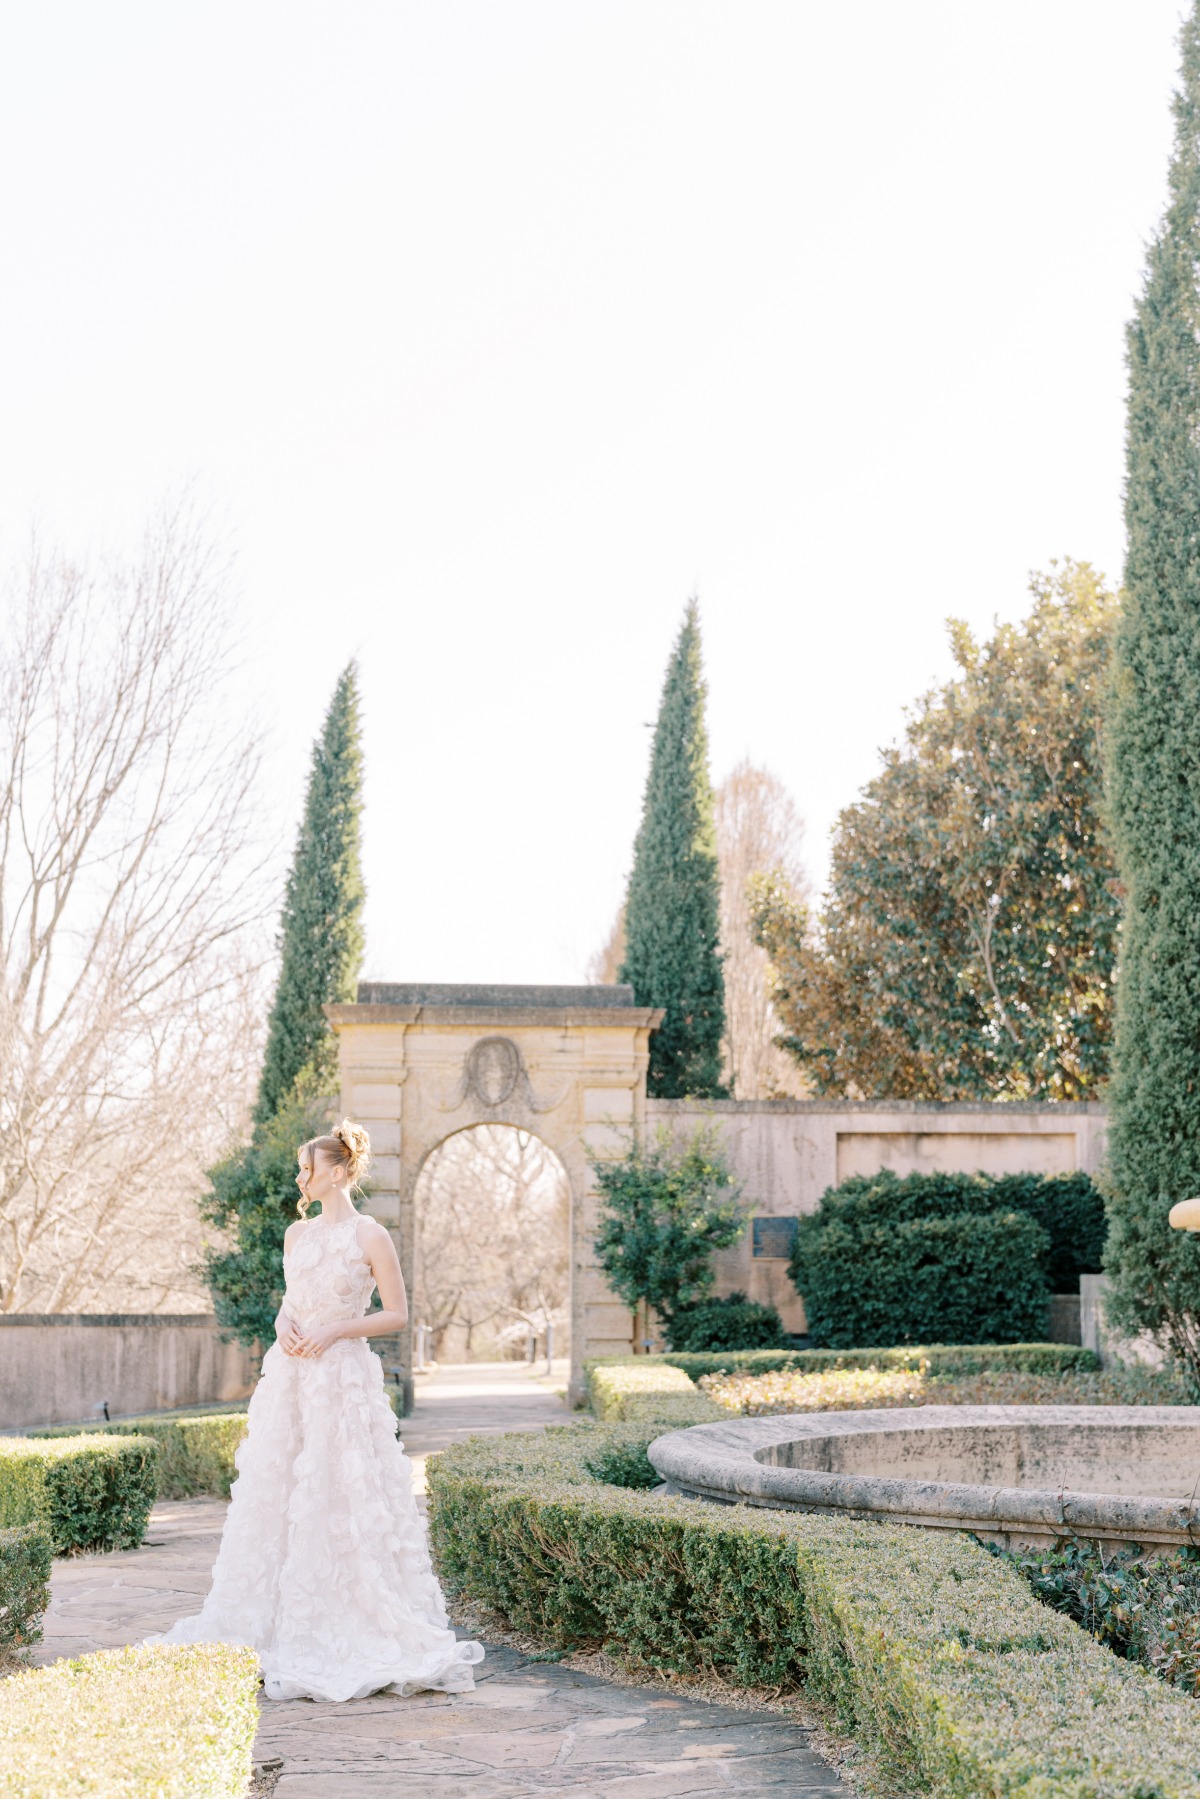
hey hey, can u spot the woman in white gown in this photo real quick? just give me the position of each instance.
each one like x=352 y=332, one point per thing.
x=323 y=1566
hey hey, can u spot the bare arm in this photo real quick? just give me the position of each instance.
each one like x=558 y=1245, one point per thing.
x=287 y=1332
x=380 y=1252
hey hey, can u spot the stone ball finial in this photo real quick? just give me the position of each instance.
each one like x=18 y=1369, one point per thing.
x=1185 y=1215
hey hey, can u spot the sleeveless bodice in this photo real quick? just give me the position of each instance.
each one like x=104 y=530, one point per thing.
x=327 y=1276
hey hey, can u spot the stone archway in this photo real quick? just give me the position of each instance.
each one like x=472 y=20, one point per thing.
x=420 y=1062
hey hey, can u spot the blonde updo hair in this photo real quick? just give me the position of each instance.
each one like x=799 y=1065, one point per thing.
x=349 y=1146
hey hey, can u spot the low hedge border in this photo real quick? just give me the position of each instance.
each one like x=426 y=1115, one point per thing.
x=126 y=1723
x=89 y=1491
x=26 y=1553
x=649 y=1390
x=935 y=1654
x=939 y=1358
x=195 y=1450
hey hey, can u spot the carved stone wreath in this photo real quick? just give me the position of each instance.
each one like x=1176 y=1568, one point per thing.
x=494 y=1075
x=492 y=1070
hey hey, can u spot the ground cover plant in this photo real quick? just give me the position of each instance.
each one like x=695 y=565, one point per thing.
x=934 y=1653
x=128 y=1723
x=89 y=1491
x=195 y=1450
x=26 y=1553
x=1145 y=1608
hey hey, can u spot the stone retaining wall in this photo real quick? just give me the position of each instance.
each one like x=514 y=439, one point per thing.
x=60 y=1367
x=786 y=1152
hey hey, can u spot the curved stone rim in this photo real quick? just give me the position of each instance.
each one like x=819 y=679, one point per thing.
x=721 y=1462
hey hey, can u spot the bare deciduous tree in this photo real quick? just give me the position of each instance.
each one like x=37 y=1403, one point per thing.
x=604 y=968
x=494 y=1253
x=758 y=832
x=130 y=897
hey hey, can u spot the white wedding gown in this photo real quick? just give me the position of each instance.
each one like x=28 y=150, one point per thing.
x=323 y=1566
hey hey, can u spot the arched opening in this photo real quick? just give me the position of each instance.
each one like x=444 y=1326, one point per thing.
x=493 y=1213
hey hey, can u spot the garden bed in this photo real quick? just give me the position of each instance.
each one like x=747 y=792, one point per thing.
x=933 y=1652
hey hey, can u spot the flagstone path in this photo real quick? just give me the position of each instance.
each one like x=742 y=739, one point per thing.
x=530 y=1730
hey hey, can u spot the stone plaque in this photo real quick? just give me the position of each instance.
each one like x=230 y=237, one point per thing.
x=773 y=1237
x=493 y=1070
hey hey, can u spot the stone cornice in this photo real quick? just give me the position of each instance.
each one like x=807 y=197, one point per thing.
x=497 y=1017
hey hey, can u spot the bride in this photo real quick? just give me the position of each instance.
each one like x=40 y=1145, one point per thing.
x=323 y=1566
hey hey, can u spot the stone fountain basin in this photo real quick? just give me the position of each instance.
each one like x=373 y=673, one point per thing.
x=1016 y=1474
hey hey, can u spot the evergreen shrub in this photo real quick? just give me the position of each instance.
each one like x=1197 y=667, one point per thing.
x=89 y=1491
x=734 y=1322
x=935 y=1654
x=131 y=1723
x=25 y=1556
x=891 y=1260
x=195 y=1452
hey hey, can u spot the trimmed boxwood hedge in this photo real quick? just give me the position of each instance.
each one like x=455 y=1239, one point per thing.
x=130 y=1723
x=90 y=1492
x=946 y=1359
x=26 y=1553
x=195 y=1451
x=647 y=1389
x=934 y=1653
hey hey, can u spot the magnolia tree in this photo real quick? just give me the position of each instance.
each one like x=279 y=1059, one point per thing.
x=967 y=945
x=494 y=1252
x=131 y=892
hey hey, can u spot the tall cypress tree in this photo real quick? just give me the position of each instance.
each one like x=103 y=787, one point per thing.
x=1154 y=775
x=251 y=1195
x=672 y=958
x=320 y=930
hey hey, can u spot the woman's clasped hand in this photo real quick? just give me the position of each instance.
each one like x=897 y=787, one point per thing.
x=294 y=1341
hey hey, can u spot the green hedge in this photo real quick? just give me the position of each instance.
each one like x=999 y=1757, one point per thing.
x=734 y=1322
x=1068 y=1207
x=647 y=1389
x=945 y=1359
x=131 y=1724
x=195 y=1451
x=868 y=1272
x=936 y=1656
x=90 y=1492
x=26 y=1553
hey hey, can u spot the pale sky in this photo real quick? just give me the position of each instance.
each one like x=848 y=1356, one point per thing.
x=492 y=329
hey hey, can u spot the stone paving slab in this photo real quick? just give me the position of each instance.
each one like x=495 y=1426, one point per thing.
x=531 y=1730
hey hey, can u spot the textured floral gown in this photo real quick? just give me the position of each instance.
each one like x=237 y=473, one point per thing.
x=323 y=1566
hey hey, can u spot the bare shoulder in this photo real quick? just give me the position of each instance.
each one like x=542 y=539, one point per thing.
x=372 y=1235
x=293 y=1232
